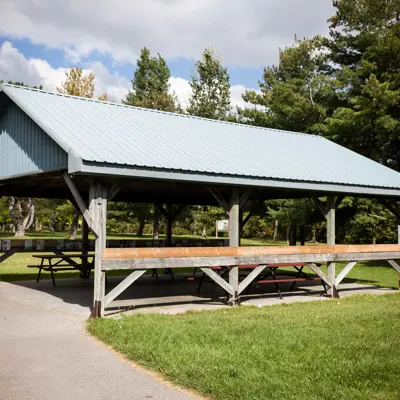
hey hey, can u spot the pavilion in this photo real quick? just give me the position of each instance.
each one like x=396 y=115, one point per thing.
x=92 y=152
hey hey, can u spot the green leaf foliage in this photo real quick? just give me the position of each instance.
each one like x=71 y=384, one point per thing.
x=210 y=88
x=150 y=84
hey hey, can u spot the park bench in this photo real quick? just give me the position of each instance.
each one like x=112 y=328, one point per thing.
x=64 y=262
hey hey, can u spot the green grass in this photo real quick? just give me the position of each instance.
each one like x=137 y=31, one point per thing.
x=345 y=349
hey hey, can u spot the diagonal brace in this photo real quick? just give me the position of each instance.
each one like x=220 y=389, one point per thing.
x=218 y=280
x=123 y=286
x=250 y=278
x=79 y=201
x=318 y=272
x=344 y=272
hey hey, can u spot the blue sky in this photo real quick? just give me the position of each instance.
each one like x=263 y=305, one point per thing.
x=39 y=40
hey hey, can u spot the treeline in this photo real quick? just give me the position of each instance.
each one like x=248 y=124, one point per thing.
x=345 y=87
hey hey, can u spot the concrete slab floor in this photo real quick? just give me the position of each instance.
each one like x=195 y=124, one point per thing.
x=164 y=295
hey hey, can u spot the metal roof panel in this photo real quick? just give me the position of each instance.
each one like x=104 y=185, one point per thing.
x=117 y=134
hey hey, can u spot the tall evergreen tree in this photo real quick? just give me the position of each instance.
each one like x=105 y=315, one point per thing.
x=210 y=88
x=364 y=54
x=150 y=84
x=293 y=94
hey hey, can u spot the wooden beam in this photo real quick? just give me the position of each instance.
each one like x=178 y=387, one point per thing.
x=246 y=220
x=250 y=278
x=317 y=271
x=335 y=252
x=394 y=265
x=112 y=192
x=234 y=241
x=9 y=253
x=244 y=197
x=218 y=280
x=331 y=240
x=392 y=206
x=220 y=199
x=177 y=211
x=79 y=201
x=344 y=272
x=320 y=206
x=98 y=214
x=122 y=286
x=227 y=261
x=162 y=210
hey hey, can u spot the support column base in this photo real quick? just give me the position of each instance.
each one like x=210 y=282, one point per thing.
x=333 y=293
x=96 y=310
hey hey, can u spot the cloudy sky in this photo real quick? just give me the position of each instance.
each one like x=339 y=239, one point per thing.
x=39 y=39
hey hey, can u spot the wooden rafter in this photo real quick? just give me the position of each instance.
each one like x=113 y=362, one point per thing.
x=220 y=199
x=79 y=202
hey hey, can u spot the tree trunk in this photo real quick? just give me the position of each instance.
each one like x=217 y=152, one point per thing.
x=51 y=223
x=21 y=224
x=275 y=235
x=302 y=235
x=292 y=234
x=36 y=224
x=314 y=236
x=156 y=224
x=142 y=223
x=74 y=226
x=374 y=240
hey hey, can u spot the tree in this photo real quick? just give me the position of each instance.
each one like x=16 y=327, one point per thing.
x=104 y=97
x=77 y=84
x=150 y=84
x=294 y=94
x=364 y=55
x=21 y=222
x=210 y=88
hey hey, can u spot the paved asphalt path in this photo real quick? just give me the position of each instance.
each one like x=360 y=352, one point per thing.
x=45 y=354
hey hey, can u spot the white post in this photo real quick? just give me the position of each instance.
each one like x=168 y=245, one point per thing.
x=331 y=240
x=98 y=213
x=398 y=231
x=234 y=242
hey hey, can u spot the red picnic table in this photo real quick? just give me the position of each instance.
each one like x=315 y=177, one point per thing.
x=300 y=276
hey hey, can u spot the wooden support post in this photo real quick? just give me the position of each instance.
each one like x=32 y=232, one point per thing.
x=98 y=214
x=169 y=225
x=234 y=234
x=331 y=240
x=85 y=236
x=85 y=242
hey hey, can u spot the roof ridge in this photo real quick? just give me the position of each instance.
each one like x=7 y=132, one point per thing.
x=159 y=111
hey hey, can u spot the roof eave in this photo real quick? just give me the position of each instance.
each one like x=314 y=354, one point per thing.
x=92 y=168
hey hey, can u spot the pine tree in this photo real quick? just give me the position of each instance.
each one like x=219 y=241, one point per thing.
x=294 y=94
x=210 y=88
x=364 y=53
x=150 y=84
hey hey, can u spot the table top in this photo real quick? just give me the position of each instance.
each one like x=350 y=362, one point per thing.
x=62 y=256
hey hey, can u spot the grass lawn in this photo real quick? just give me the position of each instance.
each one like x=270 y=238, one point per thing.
x=345 y=349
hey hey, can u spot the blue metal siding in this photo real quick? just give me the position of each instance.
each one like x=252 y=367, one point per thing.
x=24 y=147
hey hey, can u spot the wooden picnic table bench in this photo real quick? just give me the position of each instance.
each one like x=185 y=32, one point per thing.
x=82 y=262
x=263 y=278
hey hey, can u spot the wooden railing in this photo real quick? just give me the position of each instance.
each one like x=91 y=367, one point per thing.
x=140 y=260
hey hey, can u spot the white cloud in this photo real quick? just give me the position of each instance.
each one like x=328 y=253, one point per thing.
x=35 y=72
x=182 y=89
x=245 y=33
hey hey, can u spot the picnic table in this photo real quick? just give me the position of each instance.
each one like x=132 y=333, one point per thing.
x=264 y=277
x=82 y=262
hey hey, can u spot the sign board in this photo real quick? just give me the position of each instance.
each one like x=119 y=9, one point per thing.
x=223 y=225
